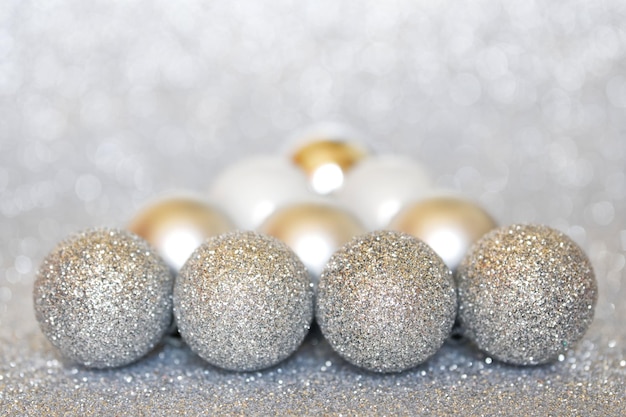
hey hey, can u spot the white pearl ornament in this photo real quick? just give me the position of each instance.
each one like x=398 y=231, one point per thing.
x=252 y=189
x=378 y=188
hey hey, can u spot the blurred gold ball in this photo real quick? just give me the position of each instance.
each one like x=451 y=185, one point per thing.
x=314 y=231
x=449 y=225
x=176 y=226
x=326 y=161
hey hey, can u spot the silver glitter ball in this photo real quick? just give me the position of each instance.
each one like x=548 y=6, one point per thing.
x=243 y=301
x=386 y=301
x=103 y=297
x=526 y=294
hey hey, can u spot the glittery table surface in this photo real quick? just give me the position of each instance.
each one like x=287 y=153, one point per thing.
x=520 y=105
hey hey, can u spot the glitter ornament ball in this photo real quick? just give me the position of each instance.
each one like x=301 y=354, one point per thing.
x=386 y=302
x=176 y=226
x=449 y=225
x=527 y=293
x=243 y=301
x=103 y=297
x=314 y=231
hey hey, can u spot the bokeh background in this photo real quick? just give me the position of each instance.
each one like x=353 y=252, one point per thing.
x=520 y=105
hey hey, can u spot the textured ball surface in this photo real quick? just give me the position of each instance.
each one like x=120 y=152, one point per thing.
x=243 y=301
x=386 y=302
x=103 y=297
x=526 y=294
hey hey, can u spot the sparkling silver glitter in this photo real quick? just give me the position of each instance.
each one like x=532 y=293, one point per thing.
x=527 y=293
x=103 y=297
x=243 y=301
x=154 y=95
x=386 y=302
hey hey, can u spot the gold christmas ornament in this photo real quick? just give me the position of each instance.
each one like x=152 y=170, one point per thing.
x=326 y=161
x=449 y=225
